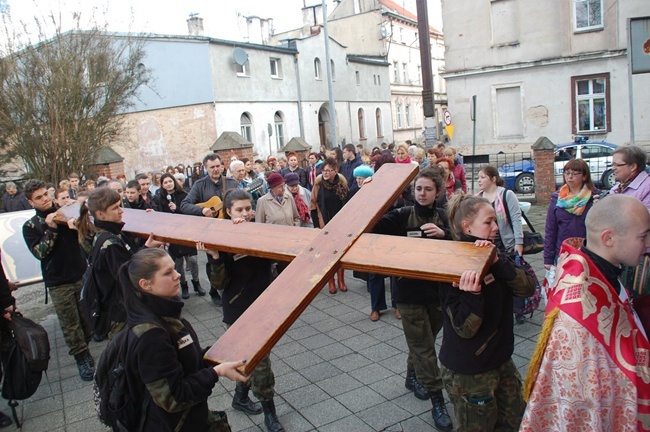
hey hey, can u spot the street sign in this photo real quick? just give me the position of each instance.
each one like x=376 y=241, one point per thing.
x=447 y=117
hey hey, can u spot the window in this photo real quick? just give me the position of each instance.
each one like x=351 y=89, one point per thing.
x=408 y=115
x=332 y=68
x=279 y=129
x=378 y=79
x=588 y=14
x=317 y=73
x=401 y=35
x=374 y=77
x=358 y=77
x=379 y=123
x=591 y=108
x=246 y=127
x=362 y=124
x=507 y=113
x=504 y=21
x=419 y=77
x=242 y=70
x=276 y=68
x=395 y=72
x=399 y=115
x=405 y=71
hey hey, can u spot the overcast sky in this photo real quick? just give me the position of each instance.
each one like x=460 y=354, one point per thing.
x=168 y=16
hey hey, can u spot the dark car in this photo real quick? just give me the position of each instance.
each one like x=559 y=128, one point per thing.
x=520 y=175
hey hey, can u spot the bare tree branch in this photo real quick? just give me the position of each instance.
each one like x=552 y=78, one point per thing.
x=61 y=96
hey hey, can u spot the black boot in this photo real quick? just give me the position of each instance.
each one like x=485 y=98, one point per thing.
x=197 y=288
x=270 y=417
x=414 y=385
x=85 y=369
x=89 y=359
x=439 y=412
x=242 y=402
x=185 y=294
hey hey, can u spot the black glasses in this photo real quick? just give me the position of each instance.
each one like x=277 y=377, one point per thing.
x=616 y=165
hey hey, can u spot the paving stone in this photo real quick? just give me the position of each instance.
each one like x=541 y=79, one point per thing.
x=339 y=384
x=325 y=412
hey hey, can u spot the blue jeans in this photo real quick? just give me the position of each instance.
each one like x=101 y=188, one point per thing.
x=378 y=292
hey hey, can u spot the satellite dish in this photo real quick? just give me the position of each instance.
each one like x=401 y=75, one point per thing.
x=383 y=32
x=240 y=56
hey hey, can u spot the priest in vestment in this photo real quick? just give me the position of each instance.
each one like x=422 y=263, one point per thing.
x=590 y=371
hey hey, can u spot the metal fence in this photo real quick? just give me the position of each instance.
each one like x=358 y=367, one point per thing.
x=512 y=164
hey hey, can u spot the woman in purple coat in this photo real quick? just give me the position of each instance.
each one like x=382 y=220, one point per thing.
x=568 y=209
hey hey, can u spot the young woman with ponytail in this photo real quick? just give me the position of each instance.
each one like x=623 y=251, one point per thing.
x=108 y=248
x=248 y=278
x=163 y=351
x=478 y=340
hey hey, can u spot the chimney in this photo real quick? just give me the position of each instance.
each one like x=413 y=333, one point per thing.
x=195 y=25
x=312 y=15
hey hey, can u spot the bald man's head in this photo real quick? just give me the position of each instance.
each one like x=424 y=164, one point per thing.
x=617 y=229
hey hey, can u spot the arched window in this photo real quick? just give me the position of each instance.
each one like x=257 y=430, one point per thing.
x=409 y=120
x=379 y=123
x=333 y=72
x=362 y=124
x=246 y=123
x=279 y=129
x=317 y=73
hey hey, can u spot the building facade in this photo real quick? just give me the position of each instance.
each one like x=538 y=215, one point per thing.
x=556 y=69
x=384 y=29
x=268 y=93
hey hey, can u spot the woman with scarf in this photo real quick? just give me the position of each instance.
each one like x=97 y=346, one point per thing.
x=327 y=198
x=301 y=196
x=167 y=200
x=402 y=154
x=568 y=209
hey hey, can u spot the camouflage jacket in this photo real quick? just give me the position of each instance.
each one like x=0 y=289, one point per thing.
x=62 y=260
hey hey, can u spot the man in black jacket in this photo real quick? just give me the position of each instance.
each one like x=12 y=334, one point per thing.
x=351 y=160
x=214 y=184
x=63 y=265
x=13 y=199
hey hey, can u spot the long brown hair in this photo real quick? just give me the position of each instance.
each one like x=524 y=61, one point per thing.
x=99 y=200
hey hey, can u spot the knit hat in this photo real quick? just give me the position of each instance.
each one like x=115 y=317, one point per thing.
x=274 y=180
x=363 y=171
x=291 y=179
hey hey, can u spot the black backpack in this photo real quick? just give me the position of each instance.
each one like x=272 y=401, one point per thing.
x=28 y=359
x=116 y=397
x=91 y=303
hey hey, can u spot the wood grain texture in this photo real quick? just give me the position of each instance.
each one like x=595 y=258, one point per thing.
x=418 y=258
x=253 y=335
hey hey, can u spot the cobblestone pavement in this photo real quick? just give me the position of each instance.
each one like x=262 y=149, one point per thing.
x=335 y=369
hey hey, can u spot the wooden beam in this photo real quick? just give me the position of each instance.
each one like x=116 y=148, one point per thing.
x=258 y=329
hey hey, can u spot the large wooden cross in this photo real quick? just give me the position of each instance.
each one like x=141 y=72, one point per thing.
x=315 y=256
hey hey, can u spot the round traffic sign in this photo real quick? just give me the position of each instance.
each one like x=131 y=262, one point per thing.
x=447 y=117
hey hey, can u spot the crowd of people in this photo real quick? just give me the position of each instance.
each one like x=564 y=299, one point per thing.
x=142 y=283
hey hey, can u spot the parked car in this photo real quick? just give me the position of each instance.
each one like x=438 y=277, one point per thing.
x=520 y=175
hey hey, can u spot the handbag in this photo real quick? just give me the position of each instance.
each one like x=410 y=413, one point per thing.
x=533 y=241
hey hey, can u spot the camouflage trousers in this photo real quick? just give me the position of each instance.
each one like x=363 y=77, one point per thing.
x=76 y=331
x=262 y=380
x=421 y=324
x=489 y=401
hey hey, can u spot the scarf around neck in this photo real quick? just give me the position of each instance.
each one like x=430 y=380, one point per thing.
x=303 y=210
x=572 y=203
x=337 y=187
